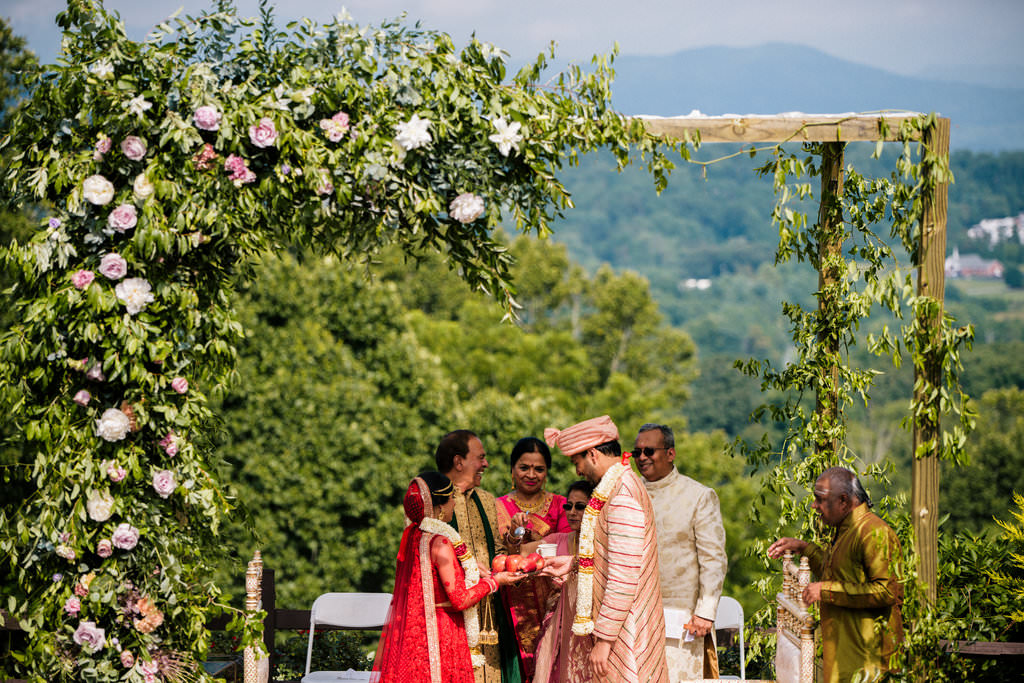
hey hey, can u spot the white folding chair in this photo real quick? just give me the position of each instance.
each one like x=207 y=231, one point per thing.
x=353 y=611
x=730 y=617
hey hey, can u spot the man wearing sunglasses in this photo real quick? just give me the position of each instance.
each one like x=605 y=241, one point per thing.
x=691 y=551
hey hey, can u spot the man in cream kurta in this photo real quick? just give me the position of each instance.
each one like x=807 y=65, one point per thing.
x=691 y=551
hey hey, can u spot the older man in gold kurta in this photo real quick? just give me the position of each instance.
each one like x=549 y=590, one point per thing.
x=461 y=456
x=859 y=592
x=691 y=551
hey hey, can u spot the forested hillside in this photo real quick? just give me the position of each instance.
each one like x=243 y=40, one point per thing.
x=713 y=222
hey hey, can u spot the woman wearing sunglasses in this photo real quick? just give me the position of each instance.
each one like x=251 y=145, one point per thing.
x=552 y=653
x=537 y=513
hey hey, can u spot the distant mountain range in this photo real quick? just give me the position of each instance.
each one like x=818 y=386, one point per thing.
x=778 y=77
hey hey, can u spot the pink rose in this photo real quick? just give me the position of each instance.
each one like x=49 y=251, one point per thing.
x=113 y=266
x=95 y=373
x=263 y=133
x=67 y=552
x=102 y=147
x=179 y=384
x=124 y=217
x=82 y=278
x=203 y=158
x=125 y=536
x=207 y=118
x=239 y=168
x=336 y=126
x=116 y=472
x=170 y=444
x=72 y=606
x=104 y=548
x=81 y=591
x=89 y=636
x=134 y=147
x=164 y=483
x=82 y=397
x=127 y=659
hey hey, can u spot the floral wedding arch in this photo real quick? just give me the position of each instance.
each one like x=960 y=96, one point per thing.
x=163 y=167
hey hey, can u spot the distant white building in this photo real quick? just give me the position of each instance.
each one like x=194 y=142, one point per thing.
x=697 y=283
x=972 y=267
x=997 y=230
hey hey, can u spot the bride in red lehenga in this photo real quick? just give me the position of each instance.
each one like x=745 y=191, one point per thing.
x=432 y=632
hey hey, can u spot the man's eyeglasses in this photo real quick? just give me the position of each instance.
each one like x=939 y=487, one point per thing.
x=580 y=506
x=647 y=451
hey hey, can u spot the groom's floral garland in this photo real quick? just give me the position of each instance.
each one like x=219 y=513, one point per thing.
x=583 y=624
x=433 y=525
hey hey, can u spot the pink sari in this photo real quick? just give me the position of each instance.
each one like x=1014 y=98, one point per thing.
x=527 y=601
x=553 y=663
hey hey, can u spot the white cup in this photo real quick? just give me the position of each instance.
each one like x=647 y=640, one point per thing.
x=547 y=549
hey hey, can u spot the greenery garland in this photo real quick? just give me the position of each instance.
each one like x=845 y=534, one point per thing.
x=864 y=275
x=165 y=167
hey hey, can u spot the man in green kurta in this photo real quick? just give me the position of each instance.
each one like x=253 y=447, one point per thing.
x=859 y=592
x=461 y=456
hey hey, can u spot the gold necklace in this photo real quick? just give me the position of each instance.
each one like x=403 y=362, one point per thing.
x=537 y=508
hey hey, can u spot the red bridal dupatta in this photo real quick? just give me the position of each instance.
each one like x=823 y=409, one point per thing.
x=409 y=640
x=424 y=639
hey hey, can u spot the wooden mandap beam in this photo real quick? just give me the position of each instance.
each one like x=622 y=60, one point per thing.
x=800 y=128
x=787 y=128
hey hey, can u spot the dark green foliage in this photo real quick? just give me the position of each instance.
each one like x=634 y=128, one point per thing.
x=975 y=493
x=332 y=651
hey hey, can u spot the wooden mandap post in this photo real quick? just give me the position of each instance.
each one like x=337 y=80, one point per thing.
x=830 y=244
x=931 y=282
x=931 y=268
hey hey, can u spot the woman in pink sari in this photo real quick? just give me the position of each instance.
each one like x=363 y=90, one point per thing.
x=539 y=513
x=552 y=661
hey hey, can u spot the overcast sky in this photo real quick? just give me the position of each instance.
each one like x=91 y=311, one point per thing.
x=904 y=36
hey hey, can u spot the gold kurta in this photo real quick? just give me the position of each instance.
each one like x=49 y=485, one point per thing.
x=861 y=621
x=692 y=562
x=476 y=518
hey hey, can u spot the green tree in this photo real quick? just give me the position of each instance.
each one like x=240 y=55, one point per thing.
x=336 y=409
x=974 y=494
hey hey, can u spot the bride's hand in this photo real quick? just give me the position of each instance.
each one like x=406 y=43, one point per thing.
x=508 y=578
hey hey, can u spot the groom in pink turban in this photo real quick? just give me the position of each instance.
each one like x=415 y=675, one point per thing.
x=619 y=617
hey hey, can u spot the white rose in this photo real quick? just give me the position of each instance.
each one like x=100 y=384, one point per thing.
x=413 y=133
x=97 y=190
x=113 y=425
x=164 y=483
x=466 y=208
x=142 y=188
x=134 y=293
x=100 y=506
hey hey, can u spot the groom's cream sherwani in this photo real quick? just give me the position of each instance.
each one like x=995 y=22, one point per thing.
x=691 y=560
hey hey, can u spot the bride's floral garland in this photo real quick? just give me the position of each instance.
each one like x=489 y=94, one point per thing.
x=583 y=624
x=433 y=525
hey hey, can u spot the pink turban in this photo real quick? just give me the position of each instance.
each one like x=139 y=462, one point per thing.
x=583 y=436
